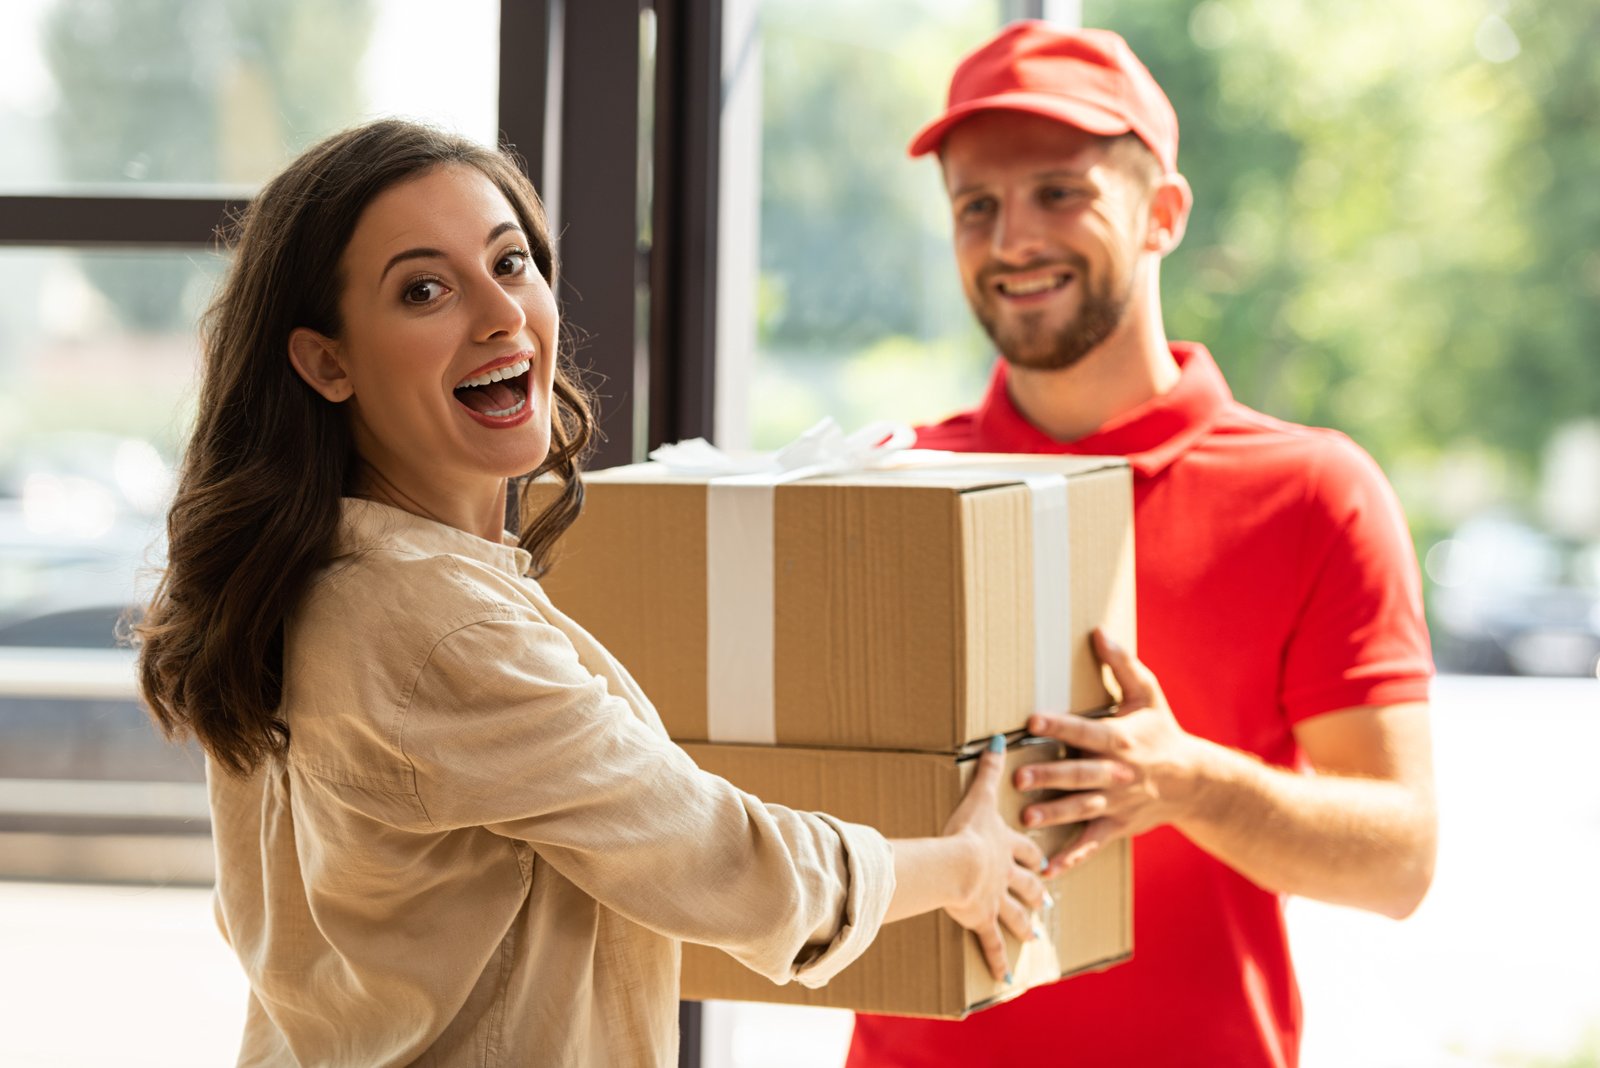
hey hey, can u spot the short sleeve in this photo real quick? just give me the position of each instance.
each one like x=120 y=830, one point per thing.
x=508 y=730
x=1360 y=637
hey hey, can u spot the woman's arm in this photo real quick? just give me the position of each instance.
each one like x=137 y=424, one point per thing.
x=507 y=730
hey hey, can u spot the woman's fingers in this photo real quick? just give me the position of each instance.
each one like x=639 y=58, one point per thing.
x=1025 y=885
x=994 y=951
x=1016 y=918
x=983 y=792
x=1026 y=852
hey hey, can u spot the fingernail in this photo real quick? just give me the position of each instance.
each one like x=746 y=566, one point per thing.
x=1036 y=724
x=1024 y=780
x=1031 y=818
x=1008 y=978
x=1038 y=932
x=1044 y=865
x=997 y=743
x=1111 y=643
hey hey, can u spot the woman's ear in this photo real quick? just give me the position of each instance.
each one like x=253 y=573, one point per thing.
x=316 y=360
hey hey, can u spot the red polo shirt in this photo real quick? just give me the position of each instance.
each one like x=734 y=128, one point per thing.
x=1276 y=581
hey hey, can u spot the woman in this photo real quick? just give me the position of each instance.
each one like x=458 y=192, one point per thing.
x=449 y=827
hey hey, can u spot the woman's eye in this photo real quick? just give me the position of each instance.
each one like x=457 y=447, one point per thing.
x=513 y=262
x=421 y=292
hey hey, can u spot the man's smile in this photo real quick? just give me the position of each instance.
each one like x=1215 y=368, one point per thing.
x=1032 y=283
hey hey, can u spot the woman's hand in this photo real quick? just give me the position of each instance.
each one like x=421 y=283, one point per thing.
x=1004 y=885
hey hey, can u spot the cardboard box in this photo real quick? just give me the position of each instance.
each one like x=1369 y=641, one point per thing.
x=891 y=609
x=927 y=965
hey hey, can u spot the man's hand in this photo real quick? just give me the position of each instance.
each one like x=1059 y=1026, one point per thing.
x=1140 y=771
x=1359 y=832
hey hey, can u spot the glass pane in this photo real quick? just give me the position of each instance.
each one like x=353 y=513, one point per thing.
x=97 y=373
x=860 y=311
x=140 y=93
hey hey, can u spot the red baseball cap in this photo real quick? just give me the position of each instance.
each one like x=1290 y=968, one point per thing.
x=1085 y=78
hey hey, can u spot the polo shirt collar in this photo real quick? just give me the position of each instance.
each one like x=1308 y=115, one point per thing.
x=367 y=524
x=1151 y=436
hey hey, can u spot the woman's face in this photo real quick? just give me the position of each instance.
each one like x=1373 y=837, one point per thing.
x=441 y=296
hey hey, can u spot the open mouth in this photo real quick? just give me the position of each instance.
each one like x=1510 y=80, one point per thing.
x=1031 y=285
x=499 y=393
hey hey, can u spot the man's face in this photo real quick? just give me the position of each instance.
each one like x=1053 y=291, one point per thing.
x=1049 y=224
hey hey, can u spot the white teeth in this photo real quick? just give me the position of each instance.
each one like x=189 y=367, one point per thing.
x=1037 y=285
x=513 y=410
x=513 y=371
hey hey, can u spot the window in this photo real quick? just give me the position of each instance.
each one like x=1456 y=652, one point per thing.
x=158 y=95
x=129 y=131
x=857 y=308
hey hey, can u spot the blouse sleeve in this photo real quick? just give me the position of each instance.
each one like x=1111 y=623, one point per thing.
x=507 y=729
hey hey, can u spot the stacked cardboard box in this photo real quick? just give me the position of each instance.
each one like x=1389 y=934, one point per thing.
x=846 y=643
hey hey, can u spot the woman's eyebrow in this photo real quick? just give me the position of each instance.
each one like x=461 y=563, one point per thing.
x=433 y=253
x=498 y=230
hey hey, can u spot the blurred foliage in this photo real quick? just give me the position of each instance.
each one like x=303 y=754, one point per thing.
x=1395 y=231
x=850 y=252
x=193 y=92
x=1585 y=1054
x=1395 y=225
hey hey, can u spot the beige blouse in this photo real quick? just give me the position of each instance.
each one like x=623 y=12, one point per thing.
x=482 y=849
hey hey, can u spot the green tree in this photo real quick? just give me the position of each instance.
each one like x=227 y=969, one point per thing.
x=1395 y=227
x=849 y=255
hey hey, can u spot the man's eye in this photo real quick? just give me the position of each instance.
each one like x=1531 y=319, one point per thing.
x=422 y=291
x=976 y=208
x=513 y=262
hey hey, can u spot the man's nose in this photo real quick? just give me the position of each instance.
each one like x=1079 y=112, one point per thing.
x=1018 y=237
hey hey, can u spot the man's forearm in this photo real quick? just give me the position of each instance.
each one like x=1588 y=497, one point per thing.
x=1352 y=841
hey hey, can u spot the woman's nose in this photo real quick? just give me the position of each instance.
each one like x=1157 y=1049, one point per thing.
x=496 y=310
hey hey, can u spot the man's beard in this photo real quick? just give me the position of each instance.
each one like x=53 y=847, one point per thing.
x=1026 y=342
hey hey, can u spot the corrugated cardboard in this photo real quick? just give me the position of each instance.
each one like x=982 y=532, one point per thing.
x=904 y=613
x=927 y=965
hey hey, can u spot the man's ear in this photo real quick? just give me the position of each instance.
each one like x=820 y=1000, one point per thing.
x=1170 y=201
x=316 y=360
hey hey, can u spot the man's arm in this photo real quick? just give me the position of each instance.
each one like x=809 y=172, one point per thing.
x=1361 y=832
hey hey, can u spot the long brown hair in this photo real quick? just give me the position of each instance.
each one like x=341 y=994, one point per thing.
x=260 y=482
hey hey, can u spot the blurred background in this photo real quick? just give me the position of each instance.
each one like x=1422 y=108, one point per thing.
x=1396 y=234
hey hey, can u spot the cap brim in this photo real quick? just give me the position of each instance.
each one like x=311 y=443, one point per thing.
x=1081 y=114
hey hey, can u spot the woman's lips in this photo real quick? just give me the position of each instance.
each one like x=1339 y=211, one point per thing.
x=500 y=396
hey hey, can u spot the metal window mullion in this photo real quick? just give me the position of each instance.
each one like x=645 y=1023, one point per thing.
x=114 y=221
x=599 y=224
x=529 y=55
x=683 y=268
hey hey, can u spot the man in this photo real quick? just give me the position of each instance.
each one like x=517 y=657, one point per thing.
x=1285 y=749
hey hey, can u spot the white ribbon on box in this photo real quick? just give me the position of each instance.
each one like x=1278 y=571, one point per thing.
x=740 y=582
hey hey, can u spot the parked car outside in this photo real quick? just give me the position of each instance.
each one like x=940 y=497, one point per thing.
x=1511 y=599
